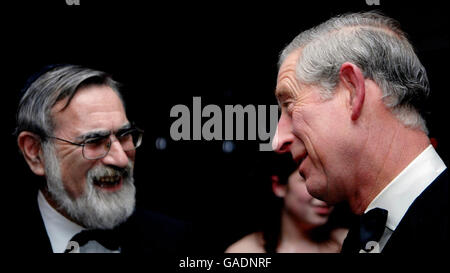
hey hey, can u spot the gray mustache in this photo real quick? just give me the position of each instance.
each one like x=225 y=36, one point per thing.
x=101 y=171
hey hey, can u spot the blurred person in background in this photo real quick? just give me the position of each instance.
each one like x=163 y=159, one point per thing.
x=299 y=223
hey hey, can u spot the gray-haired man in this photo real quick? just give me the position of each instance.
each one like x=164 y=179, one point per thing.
x=72 y=129
x=350 y=91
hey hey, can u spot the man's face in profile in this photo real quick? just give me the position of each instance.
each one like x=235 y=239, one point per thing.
x=313 y=130
x=97 y=193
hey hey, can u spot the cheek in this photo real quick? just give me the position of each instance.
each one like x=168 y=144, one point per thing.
x=298 y=203
x=322 y=128
x=299 y=125
x=301 y=194
x=310 y=126
x=73 y=175
x=131 y=155
x=311 y=123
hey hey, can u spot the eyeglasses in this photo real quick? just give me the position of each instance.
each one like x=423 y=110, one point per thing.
x=99 y=146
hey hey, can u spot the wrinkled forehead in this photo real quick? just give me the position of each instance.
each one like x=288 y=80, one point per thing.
x=287 y=74
x=91 y=107
x=91 y=95
x=290 y=61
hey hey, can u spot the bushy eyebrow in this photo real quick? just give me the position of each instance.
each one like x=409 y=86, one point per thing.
x=93 y=134
x=124 y=128
x=283 y=94
x=102 y=133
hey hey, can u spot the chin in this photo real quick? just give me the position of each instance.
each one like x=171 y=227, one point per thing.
x=318 y=189
x=319 y=219
x=315 y=191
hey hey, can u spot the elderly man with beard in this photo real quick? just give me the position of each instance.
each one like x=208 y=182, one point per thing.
x=72 y=129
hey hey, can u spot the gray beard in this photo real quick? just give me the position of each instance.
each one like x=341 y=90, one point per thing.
x=95 y=208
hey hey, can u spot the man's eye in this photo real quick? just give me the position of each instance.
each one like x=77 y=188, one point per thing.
x=125 y=134
x=288 y=105
x=290 y=108
x=94 y=141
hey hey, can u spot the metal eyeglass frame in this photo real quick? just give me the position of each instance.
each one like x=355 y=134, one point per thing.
x=108 y=144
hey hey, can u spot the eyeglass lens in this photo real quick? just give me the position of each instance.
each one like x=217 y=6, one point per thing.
x=98 y=148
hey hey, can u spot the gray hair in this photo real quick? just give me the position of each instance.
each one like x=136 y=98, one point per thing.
x=377 y=45
x=62 y=82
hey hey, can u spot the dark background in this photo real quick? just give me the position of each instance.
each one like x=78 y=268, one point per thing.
x=164 y=54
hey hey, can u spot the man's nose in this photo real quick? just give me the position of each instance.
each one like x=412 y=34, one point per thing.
x=283 y=136
x=116 y=155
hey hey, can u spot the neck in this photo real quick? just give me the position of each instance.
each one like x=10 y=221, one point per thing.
x=295 y=235
x=390 y=151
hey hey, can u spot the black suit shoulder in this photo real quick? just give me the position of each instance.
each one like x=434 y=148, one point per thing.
x=150 y=232
x=424 y=228
x=25 y=228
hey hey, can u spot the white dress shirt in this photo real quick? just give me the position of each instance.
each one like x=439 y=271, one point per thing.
x=59 y=229
x=401 y=192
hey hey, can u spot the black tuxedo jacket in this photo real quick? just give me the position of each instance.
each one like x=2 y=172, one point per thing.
x=144 y=232
x=424 y=227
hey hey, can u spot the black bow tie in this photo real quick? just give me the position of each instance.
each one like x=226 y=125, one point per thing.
x=369 y=227
x=372 y=225
x=107 y=238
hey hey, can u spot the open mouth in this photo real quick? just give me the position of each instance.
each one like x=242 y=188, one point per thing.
x=108 y=181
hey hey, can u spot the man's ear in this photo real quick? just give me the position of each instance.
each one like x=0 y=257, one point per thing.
x=278 y=189
x=351 y=77
x=30 y=145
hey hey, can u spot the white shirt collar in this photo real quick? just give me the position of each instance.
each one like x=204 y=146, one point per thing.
x=59 y=229
x=401 y=192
